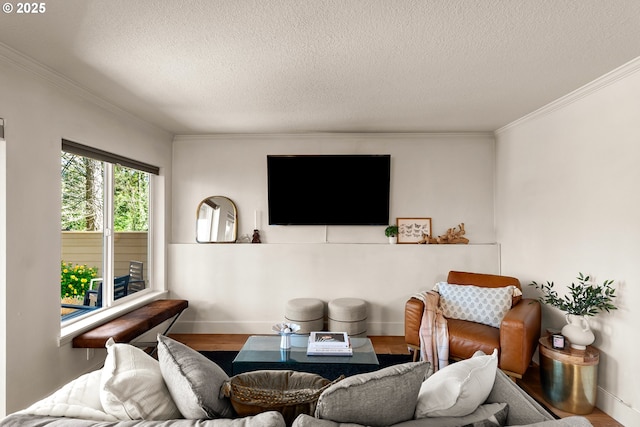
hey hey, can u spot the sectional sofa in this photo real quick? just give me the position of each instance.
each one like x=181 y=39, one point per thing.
x=183 y=388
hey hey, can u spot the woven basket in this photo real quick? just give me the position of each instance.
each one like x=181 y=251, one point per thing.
x=289 y=392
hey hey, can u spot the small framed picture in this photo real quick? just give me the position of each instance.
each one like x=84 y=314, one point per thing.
x=557 y=341
x=412 y=230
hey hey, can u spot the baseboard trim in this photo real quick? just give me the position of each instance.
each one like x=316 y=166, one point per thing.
x=617 y=409
x=262 y=327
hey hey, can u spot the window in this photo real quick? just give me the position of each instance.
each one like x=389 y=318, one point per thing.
x=105 y=229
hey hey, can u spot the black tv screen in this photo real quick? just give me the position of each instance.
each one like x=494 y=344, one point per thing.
x=329 y=189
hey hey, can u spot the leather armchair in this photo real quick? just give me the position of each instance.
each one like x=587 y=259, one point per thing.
x=516 y=339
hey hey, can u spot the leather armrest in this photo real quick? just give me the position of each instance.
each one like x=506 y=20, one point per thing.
x=413 y=311
x=519 y=335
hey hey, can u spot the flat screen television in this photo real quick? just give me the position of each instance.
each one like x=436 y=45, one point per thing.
x=329 y=189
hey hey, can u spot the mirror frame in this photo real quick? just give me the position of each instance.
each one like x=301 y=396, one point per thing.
x=235 y=223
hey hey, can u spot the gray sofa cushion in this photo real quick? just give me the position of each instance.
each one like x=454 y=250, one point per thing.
x=523 y=409
x=490 y=415
x=575 y=421
x=379 y=398
x=265 y=419
x=307 y=421
x=193 y=381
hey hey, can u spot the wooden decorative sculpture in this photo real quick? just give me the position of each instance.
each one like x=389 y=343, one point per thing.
x=450 y=237
x=427 y=239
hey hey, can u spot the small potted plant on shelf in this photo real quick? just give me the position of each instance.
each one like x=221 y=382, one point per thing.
x=392 y=233
x=585 y=299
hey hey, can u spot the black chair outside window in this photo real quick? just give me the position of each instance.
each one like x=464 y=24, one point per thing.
x=136 y=279
x=120 y=290
x=93 y=297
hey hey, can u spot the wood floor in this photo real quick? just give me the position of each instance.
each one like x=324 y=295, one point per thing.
x=386 y=345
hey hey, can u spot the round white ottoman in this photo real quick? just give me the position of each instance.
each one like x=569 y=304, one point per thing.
x=348 y=315
x=306 y=312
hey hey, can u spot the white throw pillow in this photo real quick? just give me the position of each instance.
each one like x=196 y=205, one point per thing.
x=458 y=389
x=132 y=387
x=475 y=303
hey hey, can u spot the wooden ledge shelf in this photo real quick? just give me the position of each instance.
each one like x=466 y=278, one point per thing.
x=129 y=326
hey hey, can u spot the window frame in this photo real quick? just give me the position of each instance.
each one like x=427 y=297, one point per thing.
x=113 y=308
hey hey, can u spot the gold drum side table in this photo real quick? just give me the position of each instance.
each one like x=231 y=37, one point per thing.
x=569 y=377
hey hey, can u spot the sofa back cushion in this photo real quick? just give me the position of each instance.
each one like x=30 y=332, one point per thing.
x=481 y=279
x=193 y=380
x=523 y=409
x=379 y=398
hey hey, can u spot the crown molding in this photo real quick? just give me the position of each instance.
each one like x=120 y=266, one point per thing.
x=54 y=78
x=343 y=135
x=600 y=83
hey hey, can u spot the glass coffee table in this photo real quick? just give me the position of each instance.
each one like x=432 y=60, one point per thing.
x=263 y=352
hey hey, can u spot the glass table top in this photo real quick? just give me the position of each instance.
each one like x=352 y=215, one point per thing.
x=267 y=349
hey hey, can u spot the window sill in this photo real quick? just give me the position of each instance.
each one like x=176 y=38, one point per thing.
x=68 y=332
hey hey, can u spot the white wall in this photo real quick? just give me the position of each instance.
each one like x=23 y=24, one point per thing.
x=38 y=113
x=3 y=274
x=567 y=202
x=448 y=177
x=243 y=288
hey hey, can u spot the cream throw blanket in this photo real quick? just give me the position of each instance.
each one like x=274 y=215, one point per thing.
x=78 y=399
x=434 y=334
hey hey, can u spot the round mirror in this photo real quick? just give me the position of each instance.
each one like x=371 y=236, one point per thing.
x=217 y=220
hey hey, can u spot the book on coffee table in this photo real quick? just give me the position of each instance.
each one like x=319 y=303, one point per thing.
x=329 y=344
x=329 y=339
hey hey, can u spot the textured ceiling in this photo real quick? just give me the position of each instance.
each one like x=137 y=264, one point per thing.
x=234 y=66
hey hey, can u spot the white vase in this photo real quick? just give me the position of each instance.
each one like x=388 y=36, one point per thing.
x=285 y=341
x=578 y=332
x=393 y=240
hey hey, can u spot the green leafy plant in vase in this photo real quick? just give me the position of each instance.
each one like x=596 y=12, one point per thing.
x=392 y=233
x=584 y=299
